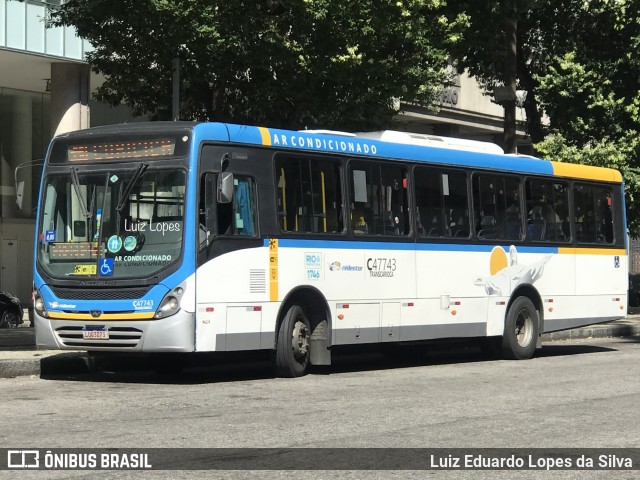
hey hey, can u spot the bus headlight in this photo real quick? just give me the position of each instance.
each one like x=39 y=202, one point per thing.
x=170 y=303
x=38 y=303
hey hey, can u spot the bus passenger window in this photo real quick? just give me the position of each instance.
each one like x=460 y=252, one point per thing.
x=308 y=195
x=442 y=203
x=593 y=214
x=547 y=211
x=497 y=207
x=379 y=202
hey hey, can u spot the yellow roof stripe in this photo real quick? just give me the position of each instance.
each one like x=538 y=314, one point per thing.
x=586 y=172
x=266 y=136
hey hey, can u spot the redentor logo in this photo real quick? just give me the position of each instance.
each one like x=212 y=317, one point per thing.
x=23 y=459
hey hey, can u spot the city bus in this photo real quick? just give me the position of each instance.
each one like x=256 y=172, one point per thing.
x=179 y=238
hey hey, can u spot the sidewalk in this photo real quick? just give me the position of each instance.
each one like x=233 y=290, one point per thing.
x=19 y=356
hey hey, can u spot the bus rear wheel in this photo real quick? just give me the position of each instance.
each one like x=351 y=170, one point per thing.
x=520 y=330
x=292 y=347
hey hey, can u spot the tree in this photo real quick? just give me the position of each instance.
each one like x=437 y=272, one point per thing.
x=482 y=50
x=295 y=64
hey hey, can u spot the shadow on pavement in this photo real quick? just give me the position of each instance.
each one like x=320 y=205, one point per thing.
x=222 y=368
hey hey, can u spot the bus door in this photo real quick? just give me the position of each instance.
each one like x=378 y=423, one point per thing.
x=231 y=286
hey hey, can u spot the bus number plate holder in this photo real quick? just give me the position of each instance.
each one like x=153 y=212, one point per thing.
x=95 y=333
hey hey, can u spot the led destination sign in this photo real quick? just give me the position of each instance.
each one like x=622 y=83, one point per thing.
x=119 y=150
x=86 y=148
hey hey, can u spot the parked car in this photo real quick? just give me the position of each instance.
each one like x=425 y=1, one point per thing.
x=10 y=311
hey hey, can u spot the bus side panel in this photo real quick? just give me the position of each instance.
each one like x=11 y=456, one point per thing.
x=449 y=303
x=556 y=283
x=377 y=281
x=230 y=294
x=601 y=282
x=609 y=270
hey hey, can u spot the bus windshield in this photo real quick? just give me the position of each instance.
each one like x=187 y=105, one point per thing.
x=116 y=224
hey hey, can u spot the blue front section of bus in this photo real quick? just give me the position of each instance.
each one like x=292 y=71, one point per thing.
x=146 y=304
x=172 y=333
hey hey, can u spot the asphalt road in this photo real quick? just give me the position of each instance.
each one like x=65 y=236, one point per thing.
x=581 y=394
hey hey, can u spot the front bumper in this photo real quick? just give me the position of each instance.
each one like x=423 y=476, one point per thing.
x=172 y=334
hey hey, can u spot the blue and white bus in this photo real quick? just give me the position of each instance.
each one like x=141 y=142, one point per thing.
x=206 y=237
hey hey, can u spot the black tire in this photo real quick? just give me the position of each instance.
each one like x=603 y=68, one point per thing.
x=520 y=330
x=292 y=346
x=9 y=319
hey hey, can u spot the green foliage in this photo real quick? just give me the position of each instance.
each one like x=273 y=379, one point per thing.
x=590 y=88
x=295 y=64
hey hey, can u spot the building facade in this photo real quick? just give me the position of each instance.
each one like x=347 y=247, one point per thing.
x=45 y=89
x=465 y=111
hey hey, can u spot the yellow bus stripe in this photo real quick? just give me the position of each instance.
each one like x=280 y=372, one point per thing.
x=592 y=251
x=104 y=316
x=586 y=172
x=273 y=270
x=266 y=136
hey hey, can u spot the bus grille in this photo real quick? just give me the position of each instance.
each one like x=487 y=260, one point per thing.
x=99 y=294
x=121 y=337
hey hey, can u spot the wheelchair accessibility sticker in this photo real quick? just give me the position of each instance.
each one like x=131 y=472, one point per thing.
x=106 y=267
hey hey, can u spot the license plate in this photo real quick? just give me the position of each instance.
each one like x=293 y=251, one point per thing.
x=95 y=334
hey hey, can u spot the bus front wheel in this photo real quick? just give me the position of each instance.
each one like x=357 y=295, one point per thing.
x=292 y=347
x=520 y=330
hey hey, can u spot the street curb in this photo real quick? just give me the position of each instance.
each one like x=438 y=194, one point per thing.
x=595 y=331
x=58 y=364
x=73 y=363
x=19 y=367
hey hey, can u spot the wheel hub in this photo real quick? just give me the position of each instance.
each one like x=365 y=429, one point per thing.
x=524 y=329
x=300 y=340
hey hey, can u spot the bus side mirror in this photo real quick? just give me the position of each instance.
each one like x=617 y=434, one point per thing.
x=225 y=187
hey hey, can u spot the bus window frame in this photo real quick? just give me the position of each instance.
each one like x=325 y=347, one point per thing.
x=614 y=188
x=472 y=213
x=214 y=232
x=440 y=169
x=408 y=166
x=299 y=155
x=568 y=182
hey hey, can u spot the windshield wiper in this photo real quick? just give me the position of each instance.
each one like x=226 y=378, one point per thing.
x=101 y=219
x=132 y=183
x=76 y=187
